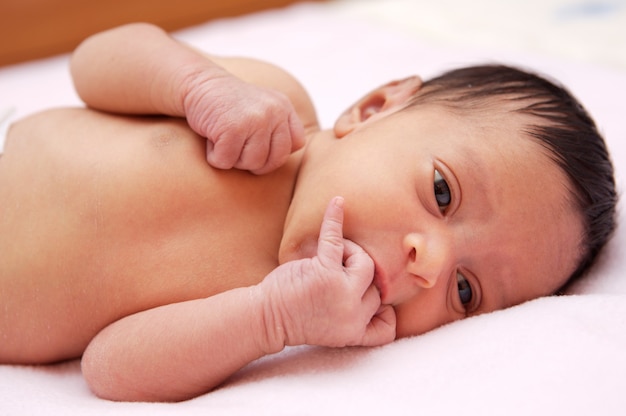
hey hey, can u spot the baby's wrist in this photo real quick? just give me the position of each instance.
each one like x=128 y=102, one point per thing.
x=270 y=332
x=194 y=81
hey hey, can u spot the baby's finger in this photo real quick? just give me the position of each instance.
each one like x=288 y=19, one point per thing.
x=223 y=153
x=296 y=130
x=330 y=244
x=371 y=300
x=382 y=328
x=357 y=261
x=279 y=149
x=255 y=152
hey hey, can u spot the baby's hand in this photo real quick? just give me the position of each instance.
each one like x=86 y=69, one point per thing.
x=328 y=300
x=247 y=127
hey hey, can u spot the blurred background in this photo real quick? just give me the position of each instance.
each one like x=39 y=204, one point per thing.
x=592 y=30
x=587 y=30
x=38 y=28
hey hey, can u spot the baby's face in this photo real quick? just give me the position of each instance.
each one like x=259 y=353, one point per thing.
x=459 y=218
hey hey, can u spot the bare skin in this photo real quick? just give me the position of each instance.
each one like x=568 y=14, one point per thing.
x=162 y=236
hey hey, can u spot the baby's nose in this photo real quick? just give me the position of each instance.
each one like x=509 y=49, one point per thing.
x=428 y=258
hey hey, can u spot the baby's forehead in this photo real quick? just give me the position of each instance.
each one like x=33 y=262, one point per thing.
x=482 y=110
x=496 y=118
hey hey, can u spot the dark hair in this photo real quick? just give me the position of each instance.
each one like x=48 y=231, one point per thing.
x=563 y=127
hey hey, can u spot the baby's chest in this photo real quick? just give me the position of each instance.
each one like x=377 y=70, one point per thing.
x=113 y=221
x=170 y=245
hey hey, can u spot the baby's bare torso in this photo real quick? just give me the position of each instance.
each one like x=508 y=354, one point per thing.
x=104 y=216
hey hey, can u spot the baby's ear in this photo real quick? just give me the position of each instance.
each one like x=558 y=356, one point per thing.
x=378 y=103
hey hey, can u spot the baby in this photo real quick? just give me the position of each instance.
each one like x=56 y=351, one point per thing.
x=426 y=203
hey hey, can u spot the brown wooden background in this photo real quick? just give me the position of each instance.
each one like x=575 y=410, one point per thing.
x=38 y=28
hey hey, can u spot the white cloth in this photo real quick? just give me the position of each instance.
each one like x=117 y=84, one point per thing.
x=6 y=117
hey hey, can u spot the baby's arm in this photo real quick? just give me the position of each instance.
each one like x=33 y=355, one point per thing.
x=252 y=113
x=179 y=351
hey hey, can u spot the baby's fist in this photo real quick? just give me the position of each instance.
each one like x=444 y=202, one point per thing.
x=247 y=127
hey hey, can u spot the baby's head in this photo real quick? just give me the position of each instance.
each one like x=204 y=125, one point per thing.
x=474 y=191
x=555 y=120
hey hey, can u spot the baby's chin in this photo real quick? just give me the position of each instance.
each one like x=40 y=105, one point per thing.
x=305 y=249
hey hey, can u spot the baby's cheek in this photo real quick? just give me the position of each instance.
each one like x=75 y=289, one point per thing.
x=418 y=316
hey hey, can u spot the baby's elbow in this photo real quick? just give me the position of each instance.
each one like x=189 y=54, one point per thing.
x=100 y=378
x=108 y=378
x=110 y=375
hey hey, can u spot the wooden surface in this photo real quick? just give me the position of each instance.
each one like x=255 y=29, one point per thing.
x=38 y=28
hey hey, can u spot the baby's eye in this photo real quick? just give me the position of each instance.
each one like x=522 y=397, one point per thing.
x=464 y=289
x=442 y=192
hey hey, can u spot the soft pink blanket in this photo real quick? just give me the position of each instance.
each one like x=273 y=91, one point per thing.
x=564 y=355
